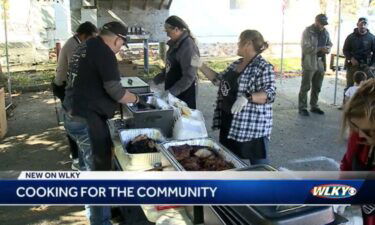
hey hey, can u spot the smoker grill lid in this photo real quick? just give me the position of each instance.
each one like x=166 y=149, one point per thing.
x=133 y=82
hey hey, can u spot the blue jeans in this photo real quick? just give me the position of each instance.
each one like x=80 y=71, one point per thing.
x=78 y=131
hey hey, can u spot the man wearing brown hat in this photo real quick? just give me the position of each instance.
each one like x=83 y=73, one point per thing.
x=92 y=94
x=316 y=44
x=359 y=49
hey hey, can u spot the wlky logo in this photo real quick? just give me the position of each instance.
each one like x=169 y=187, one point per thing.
x=333 y=191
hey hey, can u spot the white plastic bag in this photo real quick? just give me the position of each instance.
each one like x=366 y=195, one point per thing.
x=173 y=102
x=158 y=102
x=174 y=217
x=188 y=127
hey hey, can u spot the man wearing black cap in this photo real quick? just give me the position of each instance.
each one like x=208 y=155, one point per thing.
x=92 y=94
x=316 y=44
x=359 y=49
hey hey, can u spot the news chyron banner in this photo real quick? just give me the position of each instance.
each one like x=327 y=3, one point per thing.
x=185 y=188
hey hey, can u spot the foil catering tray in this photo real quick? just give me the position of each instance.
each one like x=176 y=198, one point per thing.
x=208 y=142
x=145 y=160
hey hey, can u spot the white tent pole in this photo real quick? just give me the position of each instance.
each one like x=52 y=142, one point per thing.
x=7 y=55
x=337 y=55
x=282 y=51
x=282 y=42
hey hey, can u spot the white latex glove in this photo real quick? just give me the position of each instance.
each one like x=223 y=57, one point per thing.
x=164 y=95
x=196 y=61
x=239 y=104
x=339 y=209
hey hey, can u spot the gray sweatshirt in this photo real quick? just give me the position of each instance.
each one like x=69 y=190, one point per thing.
x=64 y=59
x=184 y=53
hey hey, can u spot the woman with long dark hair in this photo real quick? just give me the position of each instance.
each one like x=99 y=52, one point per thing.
x=180 y=75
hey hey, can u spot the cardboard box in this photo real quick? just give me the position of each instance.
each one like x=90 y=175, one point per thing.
x=127 y=69
x=3 y=115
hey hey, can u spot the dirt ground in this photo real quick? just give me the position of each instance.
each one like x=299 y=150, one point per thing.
x=35 y=142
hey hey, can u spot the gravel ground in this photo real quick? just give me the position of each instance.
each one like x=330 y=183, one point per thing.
x=35 y=142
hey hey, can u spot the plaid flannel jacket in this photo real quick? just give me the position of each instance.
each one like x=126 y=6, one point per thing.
x=255 y=120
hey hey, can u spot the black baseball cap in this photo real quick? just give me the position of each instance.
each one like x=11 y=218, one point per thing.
x=363 y=20
x=119 y=29
x=322 y=19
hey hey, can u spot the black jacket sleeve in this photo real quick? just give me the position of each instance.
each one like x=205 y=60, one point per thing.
x=373 y=51
x=347 y=47
x=110 y=75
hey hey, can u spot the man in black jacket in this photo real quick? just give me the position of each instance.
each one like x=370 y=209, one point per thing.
x=92 y=95
x=94 y=90
x=359 y=49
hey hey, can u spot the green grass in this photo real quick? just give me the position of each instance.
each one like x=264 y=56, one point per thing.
x=27 y=79
x=153 y=71
x=219 y=65
x=32 y=67
x=289 y=64
x=37 y=77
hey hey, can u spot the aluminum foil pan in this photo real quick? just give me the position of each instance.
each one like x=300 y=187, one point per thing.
x=153 y=100
x=218 y=148
x=141 y=159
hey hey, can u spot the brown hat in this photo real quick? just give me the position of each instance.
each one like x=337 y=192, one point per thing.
x=119 y=29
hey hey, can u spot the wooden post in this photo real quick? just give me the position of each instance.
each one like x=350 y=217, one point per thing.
x=3 y=115
x=162 y=51
x=58 y=49
x=145 y=5
x=169 y=4
x=161 y=4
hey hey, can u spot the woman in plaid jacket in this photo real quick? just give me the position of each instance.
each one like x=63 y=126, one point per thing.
x=244 y=104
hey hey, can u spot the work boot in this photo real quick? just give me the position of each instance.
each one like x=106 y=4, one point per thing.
x=303 y=112
x=317 y=111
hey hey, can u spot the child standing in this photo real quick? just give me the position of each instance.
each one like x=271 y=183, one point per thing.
x=359 y=77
